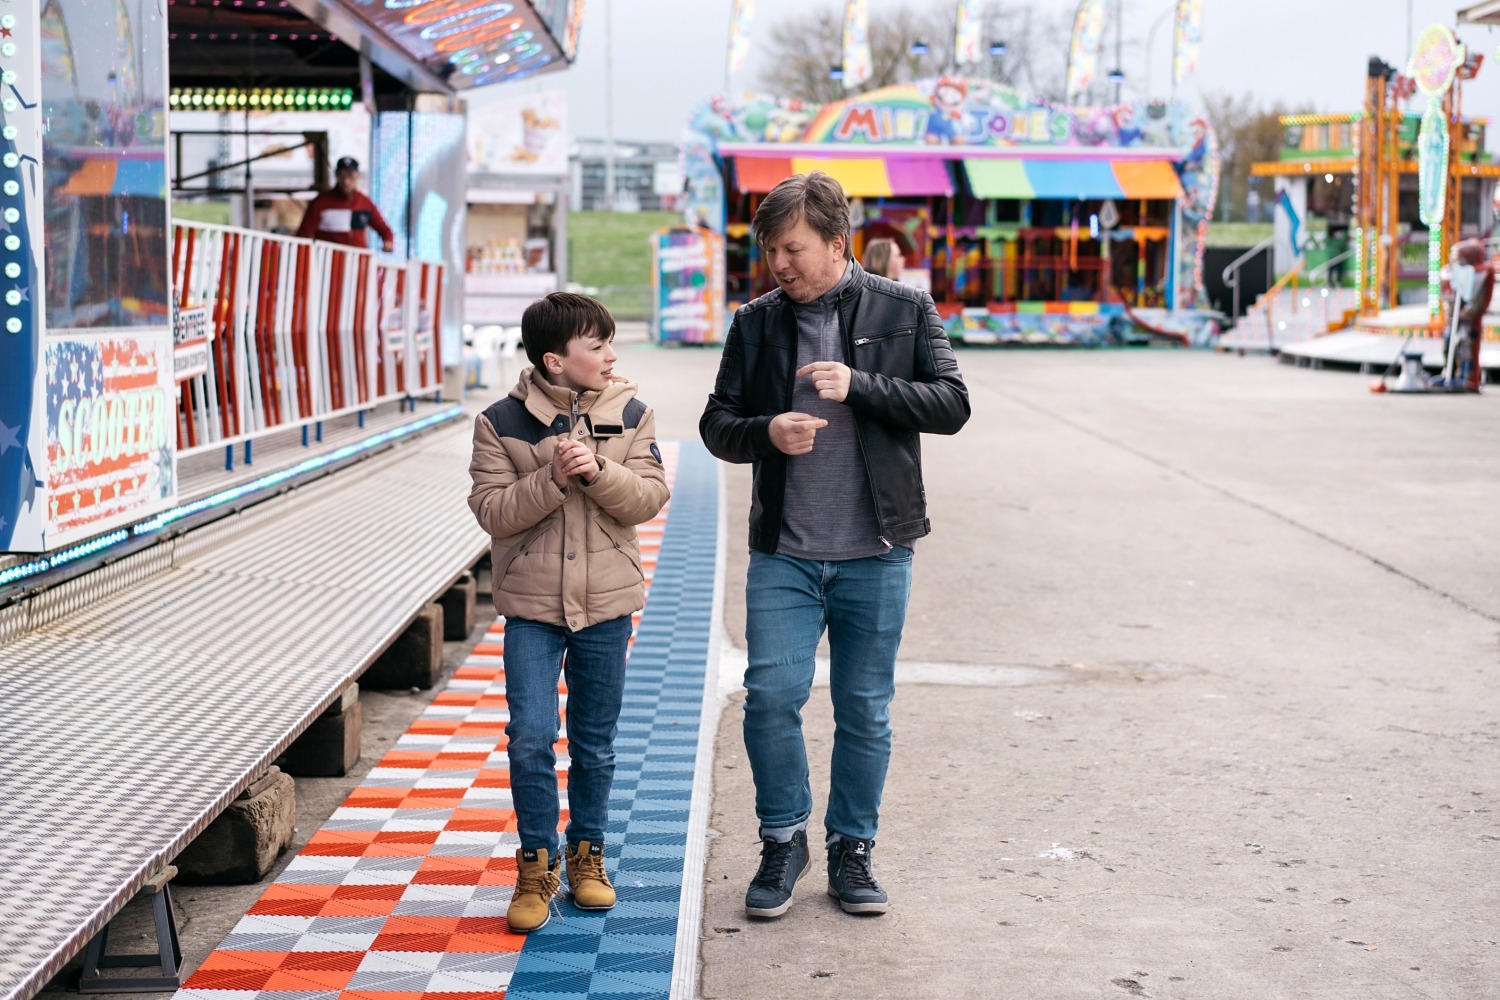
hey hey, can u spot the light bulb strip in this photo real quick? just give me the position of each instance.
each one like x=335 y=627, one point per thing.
x=261 y=98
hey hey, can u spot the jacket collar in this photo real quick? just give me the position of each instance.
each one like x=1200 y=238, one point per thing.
x=848 y=287
x=546 y=402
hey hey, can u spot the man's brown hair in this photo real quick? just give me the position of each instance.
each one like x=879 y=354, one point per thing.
x=813 y=196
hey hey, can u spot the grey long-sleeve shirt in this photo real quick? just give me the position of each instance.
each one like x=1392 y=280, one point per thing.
x=829 y=511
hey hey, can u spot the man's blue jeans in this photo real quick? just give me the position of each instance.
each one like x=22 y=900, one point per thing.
x=593 y=661
x=788 y=604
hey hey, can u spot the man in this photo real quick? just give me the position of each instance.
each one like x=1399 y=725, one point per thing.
x=344 y=214
x=825 y=385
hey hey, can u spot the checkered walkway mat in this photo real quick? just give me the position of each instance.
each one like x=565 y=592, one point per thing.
x=402 y=894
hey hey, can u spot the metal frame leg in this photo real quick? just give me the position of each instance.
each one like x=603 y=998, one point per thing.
x=167 y=959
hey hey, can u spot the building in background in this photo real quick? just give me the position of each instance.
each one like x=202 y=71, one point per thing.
x=648 y=177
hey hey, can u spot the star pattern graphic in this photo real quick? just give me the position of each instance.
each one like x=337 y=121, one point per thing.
x=9 y=437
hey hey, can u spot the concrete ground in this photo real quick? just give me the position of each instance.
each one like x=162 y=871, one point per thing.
x=1199 y=697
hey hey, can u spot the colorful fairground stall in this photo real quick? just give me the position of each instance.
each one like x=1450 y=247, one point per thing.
x=1027 y=221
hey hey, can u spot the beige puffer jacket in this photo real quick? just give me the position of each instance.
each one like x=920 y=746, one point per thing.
x=566 y=557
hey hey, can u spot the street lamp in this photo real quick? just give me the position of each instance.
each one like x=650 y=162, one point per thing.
x=836 y=71
x=919 y=48
x=997 y=52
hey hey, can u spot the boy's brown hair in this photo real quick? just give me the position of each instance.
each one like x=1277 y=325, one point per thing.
x=549 y=323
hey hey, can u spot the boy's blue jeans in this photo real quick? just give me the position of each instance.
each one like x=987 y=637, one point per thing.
x=788 y=604
x=593 y=663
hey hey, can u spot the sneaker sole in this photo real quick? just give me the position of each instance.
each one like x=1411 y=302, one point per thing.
x=761 y=911
x=858 y=907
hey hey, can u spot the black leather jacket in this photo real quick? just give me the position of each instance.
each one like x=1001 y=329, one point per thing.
x=904 y=382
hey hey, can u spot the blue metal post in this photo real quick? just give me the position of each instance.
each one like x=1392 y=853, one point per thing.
x=229 y=458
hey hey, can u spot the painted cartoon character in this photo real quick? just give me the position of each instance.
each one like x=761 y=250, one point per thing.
x=1125 y=129
x=945 y=121
x=786 y=121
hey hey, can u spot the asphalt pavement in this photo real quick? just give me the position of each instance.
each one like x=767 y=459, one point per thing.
x=1198 y=697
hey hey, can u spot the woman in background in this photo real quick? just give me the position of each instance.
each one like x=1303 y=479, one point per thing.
x=883 y=257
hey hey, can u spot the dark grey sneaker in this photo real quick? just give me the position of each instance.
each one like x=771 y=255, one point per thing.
x=850 y=879
x=782 y=863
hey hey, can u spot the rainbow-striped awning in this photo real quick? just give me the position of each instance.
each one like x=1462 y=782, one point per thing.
x=1073 y=179
x=862 y=176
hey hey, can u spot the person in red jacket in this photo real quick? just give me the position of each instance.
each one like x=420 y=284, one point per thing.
x=344 y=214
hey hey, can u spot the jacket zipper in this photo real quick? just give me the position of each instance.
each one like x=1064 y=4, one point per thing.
x=859 y=434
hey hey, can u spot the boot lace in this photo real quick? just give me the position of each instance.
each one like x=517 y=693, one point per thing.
x=544 y=884
x=855 y=869
x=589 y=866
x=775 y=859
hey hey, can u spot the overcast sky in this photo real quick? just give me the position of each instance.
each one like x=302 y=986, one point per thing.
x=668 y=55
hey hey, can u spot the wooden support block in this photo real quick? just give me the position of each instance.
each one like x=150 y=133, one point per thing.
x=415 y=659
x=241 y=845
x=330 y=746
x=458 y=608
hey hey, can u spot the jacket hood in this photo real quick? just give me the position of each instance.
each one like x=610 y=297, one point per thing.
x=547 y=402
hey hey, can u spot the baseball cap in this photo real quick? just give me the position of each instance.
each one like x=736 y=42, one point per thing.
x=347 y=163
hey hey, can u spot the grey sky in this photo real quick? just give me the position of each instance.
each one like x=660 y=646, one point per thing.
x=669 y=54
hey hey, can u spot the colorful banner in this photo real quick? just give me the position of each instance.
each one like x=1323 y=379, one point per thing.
x=964 y=111
x=111 y=431
x=969 y=26
x=739 y=34
x=687 y=276
x=1187 y=38
x=856 y=43
x=1083 y=53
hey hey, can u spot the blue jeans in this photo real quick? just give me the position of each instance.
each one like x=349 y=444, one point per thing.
x=593 y=662
x=789 y=602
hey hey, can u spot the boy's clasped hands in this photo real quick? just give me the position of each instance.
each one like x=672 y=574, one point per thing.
x=573 y=458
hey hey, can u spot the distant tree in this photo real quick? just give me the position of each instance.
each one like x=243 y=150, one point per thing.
x=803 y=47
x=1248 y=132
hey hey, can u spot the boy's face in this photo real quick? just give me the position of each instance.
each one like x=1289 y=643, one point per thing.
x=584 y=365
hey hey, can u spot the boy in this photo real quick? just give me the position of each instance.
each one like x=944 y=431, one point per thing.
x=564 y=468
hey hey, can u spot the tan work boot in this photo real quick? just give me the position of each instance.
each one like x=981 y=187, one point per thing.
x=587 y=879
x=536 y=884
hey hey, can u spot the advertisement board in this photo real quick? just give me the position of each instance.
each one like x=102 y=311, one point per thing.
x=520 y=135
x=111 y=431
x=687 y=277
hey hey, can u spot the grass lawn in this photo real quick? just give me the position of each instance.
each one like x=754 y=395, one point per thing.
x=611 y=252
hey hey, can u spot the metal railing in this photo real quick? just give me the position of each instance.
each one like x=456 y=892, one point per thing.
x=1232 y=272
x=298 y=331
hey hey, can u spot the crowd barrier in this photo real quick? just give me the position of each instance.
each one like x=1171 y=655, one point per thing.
x=276 y=332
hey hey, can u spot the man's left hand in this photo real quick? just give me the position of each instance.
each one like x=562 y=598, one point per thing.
x=830 y=378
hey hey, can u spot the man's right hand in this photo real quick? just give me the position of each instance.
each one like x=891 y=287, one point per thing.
x=793 y=433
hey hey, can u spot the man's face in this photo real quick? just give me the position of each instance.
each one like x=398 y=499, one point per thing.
x=805 y=266
x=346 y=181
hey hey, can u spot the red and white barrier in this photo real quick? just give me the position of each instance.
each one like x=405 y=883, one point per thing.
x=299 y=331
